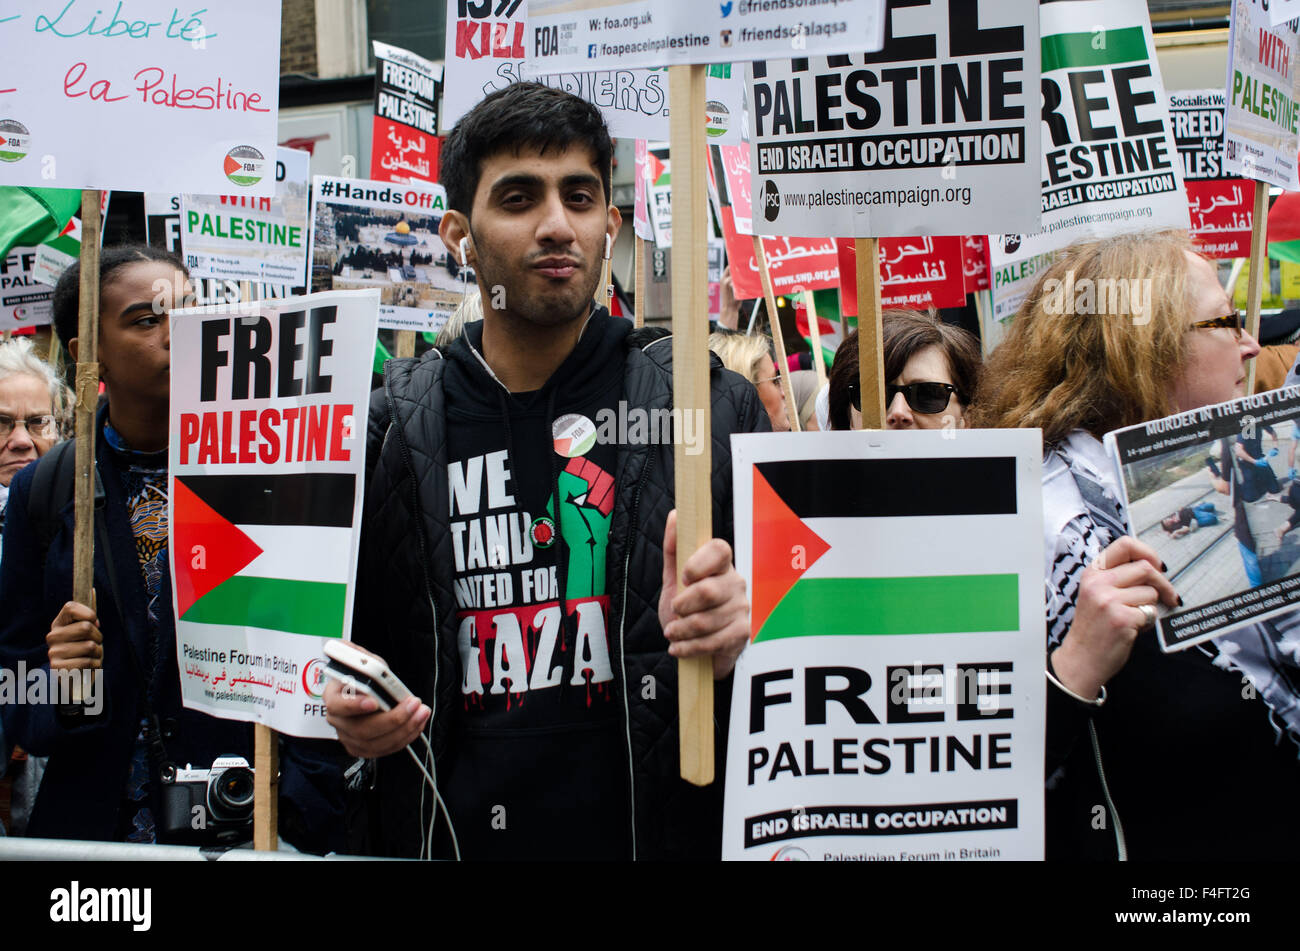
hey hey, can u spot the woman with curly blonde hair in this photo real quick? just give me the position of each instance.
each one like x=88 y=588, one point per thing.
x=1117 y=332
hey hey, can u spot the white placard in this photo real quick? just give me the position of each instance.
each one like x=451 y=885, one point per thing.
x=486 y=52
x=936 y=134
x=1110 y=161
x=263 y=240
x=385 y=235
x=266 y=477
x=142 y=95
x=1260 y=136
x=891 y=703
x=575 y=35
x=24 y=301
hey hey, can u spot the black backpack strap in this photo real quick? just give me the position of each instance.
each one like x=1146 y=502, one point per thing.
x=51 y=491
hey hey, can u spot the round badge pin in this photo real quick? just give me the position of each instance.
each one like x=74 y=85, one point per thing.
x=574 y=435
x=245 y=165
x=717 y=118
x=543 y=532
x=15 y=140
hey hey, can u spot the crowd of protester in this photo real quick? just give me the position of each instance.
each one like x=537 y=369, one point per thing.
x=1153 y=739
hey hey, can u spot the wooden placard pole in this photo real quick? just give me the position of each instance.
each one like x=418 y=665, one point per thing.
x=690 y=299
x=1258 y=269
x=778 y=336
x=266 y=744
x=871 y=363
x=87 y=396
x=405 y=343
x=814 y=328
x=266 y=789
x=638 y=282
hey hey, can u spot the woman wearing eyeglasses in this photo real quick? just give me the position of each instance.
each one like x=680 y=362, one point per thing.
x=32 y=401
x=931 y=367
x=1149 y=755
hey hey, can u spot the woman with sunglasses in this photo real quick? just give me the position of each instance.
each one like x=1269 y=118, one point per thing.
x=931 y=367
x=1161 y=741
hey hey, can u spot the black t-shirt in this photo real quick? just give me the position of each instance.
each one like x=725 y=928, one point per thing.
x=539 y=763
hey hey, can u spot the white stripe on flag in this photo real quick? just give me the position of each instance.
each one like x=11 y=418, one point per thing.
x=898 y=547
x=300 y=552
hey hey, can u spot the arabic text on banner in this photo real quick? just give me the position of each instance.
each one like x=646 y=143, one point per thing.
x=1110 y=163
x=404 y=135
x=81 y=80
x=486 y=52
x=263 y=240
x=935 y=134
x=385 y=235
x=573 y=35
x=1263 y=85
x=915 y=273
x=1221 y=208
x=794 y=264
x=265 y=469
x=890 y=704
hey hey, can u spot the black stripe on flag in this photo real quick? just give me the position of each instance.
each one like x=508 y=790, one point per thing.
x=324 y=498
x=865 y=488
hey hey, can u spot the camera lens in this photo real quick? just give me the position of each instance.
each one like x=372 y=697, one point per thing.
x=230 y=794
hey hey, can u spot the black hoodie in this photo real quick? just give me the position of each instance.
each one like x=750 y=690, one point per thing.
x=538 y=763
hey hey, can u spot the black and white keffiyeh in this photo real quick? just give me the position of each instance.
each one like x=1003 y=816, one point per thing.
x=1082 y=516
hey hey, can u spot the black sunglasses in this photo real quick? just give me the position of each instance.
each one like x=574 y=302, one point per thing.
x=924 y=398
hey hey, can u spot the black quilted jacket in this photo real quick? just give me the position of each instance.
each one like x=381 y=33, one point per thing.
x=405 y=606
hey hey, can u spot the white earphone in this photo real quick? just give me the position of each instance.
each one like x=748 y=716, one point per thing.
x=608 y=245
x=464 y=251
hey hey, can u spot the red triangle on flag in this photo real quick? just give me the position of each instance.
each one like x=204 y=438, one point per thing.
x=208 y=548
x=232 y=166
x=784 y=548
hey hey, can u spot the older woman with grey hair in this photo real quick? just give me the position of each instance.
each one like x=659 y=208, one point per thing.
x=33 y=404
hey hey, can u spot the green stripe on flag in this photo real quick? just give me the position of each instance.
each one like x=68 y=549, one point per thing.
x=1080 y=50
x=277 y=604
x=936 y=604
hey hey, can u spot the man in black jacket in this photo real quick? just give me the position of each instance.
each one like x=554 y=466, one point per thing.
x=518 y=562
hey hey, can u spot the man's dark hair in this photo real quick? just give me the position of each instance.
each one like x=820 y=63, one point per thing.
x=67 y=293
x=521 y=116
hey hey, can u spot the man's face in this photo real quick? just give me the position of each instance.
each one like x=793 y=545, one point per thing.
x=134 y=332
x=537 y=229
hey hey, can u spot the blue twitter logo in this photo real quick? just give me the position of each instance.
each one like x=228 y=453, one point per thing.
x=726 y=9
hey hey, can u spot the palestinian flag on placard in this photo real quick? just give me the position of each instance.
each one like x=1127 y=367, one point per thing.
x=266 y=551
x=840 y=547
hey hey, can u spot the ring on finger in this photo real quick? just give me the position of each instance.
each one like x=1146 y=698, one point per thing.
x=1149 y=615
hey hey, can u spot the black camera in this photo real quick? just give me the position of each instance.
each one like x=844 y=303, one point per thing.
x=213 y=805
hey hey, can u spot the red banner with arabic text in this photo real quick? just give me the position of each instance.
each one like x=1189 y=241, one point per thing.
x=1221 y=211
x=795 y=264
x=915 y=272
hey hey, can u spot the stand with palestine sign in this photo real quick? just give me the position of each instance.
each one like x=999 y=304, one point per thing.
x=890 y=705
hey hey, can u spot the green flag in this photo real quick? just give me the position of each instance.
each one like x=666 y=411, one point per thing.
x=31 y=216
